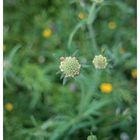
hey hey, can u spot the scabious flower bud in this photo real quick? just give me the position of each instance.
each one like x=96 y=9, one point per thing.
x=81 y=15
x=100 y=62
x=69 y=66
x=98 y=1
x=91 y=137
x=112 y=25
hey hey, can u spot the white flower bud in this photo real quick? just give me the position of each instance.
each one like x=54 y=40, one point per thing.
x=70 y=66
x=100 y=62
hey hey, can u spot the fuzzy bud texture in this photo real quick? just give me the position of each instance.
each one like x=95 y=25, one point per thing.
x=91 y=137
x=70 y=66
x=98 y=1
x=100 y=62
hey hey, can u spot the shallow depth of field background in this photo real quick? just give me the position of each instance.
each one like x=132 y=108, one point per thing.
x=37 y=106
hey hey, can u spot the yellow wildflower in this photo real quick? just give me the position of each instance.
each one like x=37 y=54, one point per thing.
x=8 y=106
x=106 y=87
x=47 y=33
x=112 y=25
x=81 y=15
x=122 y=50
x=134 y=73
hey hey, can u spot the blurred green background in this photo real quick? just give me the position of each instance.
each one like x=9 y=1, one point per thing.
x=37 y=106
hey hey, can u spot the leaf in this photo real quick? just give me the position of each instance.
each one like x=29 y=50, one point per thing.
x=91 y=16
x=64 y=80
x=77 y=27
x=13 y=52
x=58 y=72
x=62 y=76
x=35 y=98
x=74 y=54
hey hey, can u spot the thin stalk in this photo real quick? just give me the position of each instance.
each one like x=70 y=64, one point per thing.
x=91 y=18
x=77 y=27
x=92 y=37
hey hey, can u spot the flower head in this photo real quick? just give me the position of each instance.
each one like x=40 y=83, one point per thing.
x=100 y=62
x=112 y=25
x=81 y=15
x=41 y=59
x=106 y=87
x=8 y=106
x=69 y=66
x=134 y=73
x=47 y=33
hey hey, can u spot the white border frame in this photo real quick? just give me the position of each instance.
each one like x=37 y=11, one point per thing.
x=138 y=69
x=1 y=69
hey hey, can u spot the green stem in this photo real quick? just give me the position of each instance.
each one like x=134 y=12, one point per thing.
x=77 y=27
x=92 y=36
x=91 y=16
x=90 y=20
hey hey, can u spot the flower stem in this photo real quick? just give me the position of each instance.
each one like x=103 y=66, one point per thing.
x=92 y=37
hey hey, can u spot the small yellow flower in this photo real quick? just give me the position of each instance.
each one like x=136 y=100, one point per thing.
x=81 y=15
x=122 y=50
x=112 y=25
x=106 y=87
x=134 y=73
x=47 y=33
x=8 y=106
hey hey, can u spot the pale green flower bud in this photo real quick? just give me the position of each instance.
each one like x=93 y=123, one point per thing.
x=100 y=62
x=98 y=1
x=91 y=137
x=70 y=66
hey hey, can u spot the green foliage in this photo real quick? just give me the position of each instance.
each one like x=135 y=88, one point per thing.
x=41 y=107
